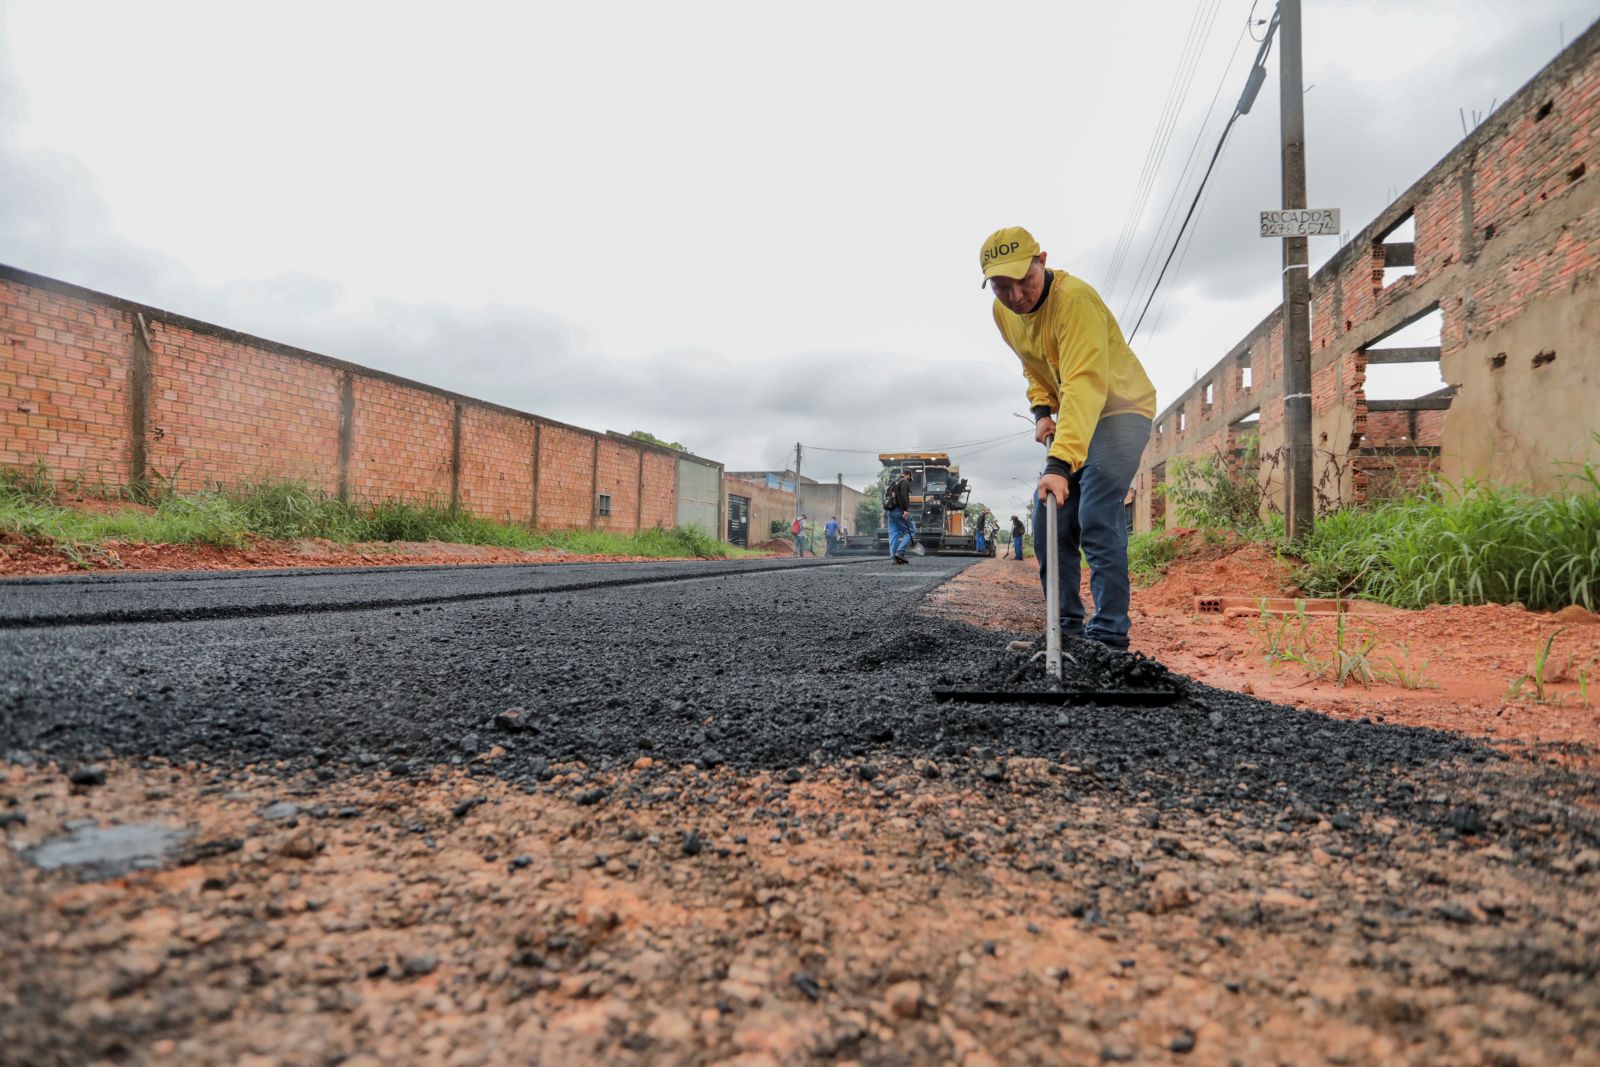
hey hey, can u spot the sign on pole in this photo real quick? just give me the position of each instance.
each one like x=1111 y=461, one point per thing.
x=1301 y=222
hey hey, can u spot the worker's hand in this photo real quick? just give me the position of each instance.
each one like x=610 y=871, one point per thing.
x=906 y=515
x=1054 y=485
x=1044 y=429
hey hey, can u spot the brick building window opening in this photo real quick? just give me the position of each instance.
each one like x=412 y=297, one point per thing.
x=1404 y=364
x=1242 y=372
x=1209 y=393
x=1398 y=247
x=605 y=504
x=1161 y=428
x=1183 y=420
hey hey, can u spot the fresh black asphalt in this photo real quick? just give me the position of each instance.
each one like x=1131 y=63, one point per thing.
x=752 y=665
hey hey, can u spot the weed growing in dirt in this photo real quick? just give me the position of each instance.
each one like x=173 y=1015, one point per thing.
x=1536 y=677
x=1480 y=544
x=1348 y=659
x=1274 y=633
x=1406 y=675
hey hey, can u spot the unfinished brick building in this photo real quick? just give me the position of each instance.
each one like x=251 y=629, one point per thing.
x=1499 y=245
x=107 y=392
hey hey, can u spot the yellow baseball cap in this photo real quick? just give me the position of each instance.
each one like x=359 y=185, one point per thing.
x=1007 y=253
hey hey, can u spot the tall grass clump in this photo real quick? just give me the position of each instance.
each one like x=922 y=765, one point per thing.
x=290 y=510
x=26 y=485
x=1148 y=555
x=1480 y=544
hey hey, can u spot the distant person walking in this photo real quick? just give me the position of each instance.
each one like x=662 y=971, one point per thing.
x=897 y=516
x=1017 y=530
x=830 y=530
x=1093 y=402
x=797 y=530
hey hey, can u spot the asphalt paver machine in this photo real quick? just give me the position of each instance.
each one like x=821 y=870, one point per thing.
x=938 y=506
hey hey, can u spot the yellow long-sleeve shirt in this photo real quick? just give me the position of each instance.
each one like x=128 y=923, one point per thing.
x=1076 y=363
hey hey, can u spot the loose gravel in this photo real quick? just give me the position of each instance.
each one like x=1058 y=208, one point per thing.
x=743 y=779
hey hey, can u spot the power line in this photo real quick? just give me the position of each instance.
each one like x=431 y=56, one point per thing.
x=973 y=452
x=928 y=448
x=1258 y=74
x=1168 y=213
x=1177 y=94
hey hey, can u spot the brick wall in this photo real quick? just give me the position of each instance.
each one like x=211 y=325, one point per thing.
x=566 y=476
x=660 y=485
x=496 y=476
x=111 y=392
x=63 y=385
x=618 y=479
x=1507 y=250
x=401 y=446
x=225 y=412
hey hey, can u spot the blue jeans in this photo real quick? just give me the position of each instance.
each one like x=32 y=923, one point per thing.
x=1095 y=520
x=1016 y=548
x=899 y=533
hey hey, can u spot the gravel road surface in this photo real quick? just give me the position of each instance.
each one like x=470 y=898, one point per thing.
x=654 y=701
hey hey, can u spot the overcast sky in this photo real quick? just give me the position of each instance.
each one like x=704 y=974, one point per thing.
x=735 y=225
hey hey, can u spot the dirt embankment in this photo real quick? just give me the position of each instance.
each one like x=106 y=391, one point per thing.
x=1466 y=669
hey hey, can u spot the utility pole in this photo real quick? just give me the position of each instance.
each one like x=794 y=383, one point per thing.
x=1296 y=281
x=797 y=479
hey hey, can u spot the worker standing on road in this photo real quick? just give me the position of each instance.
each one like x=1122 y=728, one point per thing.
x=831 y=530
x=897 y=515
x=1093 y=401
x=1016 y=537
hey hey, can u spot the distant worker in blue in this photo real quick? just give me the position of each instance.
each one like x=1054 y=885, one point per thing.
x=1017 y=530
x=897 y=516
x=1093 y=401
x=830 y=530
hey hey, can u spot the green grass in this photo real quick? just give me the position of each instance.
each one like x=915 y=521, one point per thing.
x=1148 y=555
x=1477 y=545
x=292 y=511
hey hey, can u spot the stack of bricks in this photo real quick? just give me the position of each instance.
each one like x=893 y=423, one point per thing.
x=110 y=393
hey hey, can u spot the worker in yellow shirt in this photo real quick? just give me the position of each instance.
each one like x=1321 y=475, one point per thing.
x=1093 y=401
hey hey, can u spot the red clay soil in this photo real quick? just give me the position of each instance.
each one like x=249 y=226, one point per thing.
x=1461 y=663
x=19 y=557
